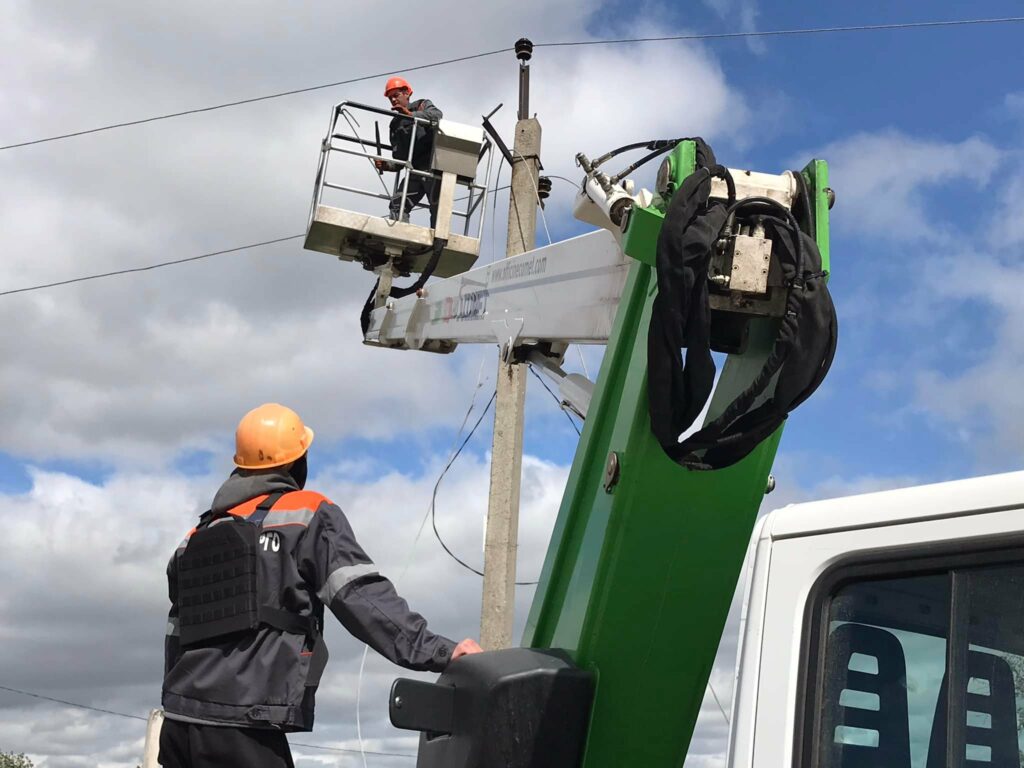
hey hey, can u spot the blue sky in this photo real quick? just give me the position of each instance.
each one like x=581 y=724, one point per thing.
x=122 y=395
x=944 y=87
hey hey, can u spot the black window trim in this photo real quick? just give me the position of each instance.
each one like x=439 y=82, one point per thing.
x=903 y=561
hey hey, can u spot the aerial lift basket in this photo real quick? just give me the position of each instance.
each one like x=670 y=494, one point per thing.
x=374 y=239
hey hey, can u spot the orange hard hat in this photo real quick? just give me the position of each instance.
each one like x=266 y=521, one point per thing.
x=395 y=83
x=270 y=436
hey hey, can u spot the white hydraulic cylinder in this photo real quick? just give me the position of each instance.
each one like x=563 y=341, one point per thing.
x=565 y=292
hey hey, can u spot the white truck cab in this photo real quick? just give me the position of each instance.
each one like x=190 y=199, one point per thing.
x=885 y=630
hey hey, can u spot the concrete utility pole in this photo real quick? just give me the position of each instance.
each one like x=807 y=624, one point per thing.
x=502 y=541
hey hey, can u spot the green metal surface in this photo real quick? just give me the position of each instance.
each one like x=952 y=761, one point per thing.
x=816 y=174
x=644 y=226
x=638 y=581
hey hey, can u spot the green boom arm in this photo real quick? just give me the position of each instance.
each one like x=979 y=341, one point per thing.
x=645 y=555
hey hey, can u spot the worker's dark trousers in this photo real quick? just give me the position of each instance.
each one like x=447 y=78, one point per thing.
x=183 y=745
x=419 y=186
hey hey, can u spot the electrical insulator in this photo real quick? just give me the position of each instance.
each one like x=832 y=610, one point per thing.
x=544 y=187
x=524 y=49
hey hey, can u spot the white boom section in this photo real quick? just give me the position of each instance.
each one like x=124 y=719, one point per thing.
x=566 y=292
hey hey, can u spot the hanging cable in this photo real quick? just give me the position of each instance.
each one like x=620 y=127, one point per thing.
x=540 y=203
x=409 y=558
x=519 y=220
x=433 y=495
x=352 y=123
x=557 y=400
x=579 y=351
x=359 y=701
x=575 y=184
x=718 y=702
x=433 y=499
x=406 y=755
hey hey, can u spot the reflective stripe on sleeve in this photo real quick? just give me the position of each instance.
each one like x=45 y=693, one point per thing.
x=172 y=627
x=276 y=518
x=289 y=517
x=342 y=576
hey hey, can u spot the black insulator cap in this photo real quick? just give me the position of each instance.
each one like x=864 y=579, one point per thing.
x=544 y=187
x=524 y=49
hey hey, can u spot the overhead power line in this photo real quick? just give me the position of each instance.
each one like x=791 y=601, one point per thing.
x=149 y=267
x=253 y=100
x=145 y=719
x=785 y=32
x=174 y=261
x=556 y=44
x=72 y=704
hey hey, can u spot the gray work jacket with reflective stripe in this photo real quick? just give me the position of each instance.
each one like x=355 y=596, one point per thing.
x=309 y=558
x=401 y=131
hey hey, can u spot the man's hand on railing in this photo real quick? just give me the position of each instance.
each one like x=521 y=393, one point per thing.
x=385 y=165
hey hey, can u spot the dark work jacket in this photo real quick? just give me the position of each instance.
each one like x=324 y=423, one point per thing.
x=310 y=559
x=401 y=134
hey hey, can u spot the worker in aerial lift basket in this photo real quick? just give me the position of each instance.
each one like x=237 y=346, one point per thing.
x=248 y=586
x=398 y=91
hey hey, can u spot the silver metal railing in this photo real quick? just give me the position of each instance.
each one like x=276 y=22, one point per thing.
x=352 y=144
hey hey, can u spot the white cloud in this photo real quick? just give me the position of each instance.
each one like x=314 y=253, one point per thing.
x=135 y=369
x=979 y=402
x=741 y=16
x=83 y=570
x=1014 y=104
x=945 y=312
x=141 y=367
x=882 y=178
x=1007 y=222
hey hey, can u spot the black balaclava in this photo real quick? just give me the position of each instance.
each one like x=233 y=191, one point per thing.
x=299 y=470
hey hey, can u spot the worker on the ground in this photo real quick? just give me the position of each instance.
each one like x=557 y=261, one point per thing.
x=398 y=91
x=248 y=586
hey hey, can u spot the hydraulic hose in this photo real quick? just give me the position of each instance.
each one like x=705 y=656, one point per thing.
x=427 y=273
x=660 y=150
x=398 y=293
x=653 y=144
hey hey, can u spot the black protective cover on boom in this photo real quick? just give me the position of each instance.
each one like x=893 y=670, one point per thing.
x=515 y=708
x=681 y=318
x=681 y=314
x=218 y=581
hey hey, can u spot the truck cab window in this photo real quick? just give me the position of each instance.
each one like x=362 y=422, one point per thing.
x=884 y=664
x=892 y=646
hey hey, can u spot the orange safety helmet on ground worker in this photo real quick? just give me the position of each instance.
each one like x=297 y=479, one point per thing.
x=270 y=436
x=395 y=83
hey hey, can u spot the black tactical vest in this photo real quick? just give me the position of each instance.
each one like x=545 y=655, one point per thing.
x=219 y=591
